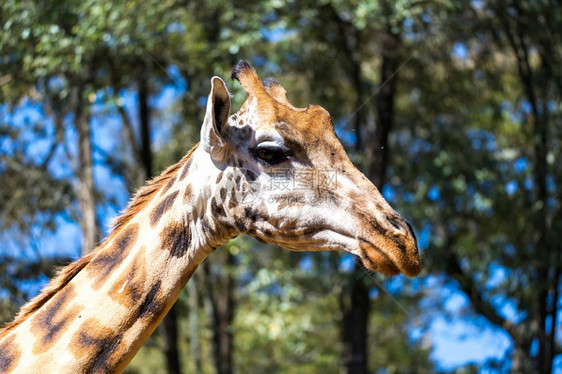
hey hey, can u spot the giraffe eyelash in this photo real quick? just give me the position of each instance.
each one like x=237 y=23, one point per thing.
x=271 y=155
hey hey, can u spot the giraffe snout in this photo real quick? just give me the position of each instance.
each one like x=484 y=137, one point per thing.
x=411 y=262
x=394 y=237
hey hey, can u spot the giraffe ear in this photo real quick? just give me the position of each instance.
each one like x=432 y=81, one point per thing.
x=215 y=124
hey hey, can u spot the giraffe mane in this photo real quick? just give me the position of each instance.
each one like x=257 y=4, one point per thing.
x=145 y=193
x=64 y=276
x=67 y=273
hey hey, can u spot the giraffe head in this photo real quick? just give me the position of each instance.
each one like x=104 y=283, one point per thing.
x=284 y=178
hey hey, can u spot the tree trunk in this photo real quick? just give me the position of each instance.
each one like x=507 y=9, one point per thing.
x=144 y=119
x=355 y=305
x=169 y=327
x=86 y=190
x=379 y=149
x=194 y=323
x=356 y=314
x=355 y=324
x=225 y=304
x=222 y=308
x=170 y=333
x=535 y=82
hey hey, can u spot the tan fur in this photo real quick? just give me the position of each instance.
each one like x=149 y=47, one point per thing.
x=276 y=91
x=251 y=82
x=273 y=106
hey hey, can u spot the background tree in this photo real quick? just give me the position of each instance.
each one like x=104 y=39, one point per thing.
x=451 y=109
x=484 y=168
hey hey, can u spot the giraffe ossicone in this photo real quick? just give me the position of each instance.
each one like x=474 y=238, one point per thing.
x=273 y=171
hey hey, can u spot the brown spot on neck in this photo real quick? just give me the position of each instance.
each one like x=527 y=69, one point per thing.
x=207 y=228
x=129 y=287
x=251 y=214
x=219 y=178
x=113 y=255
x=185 y=169
x=187 y=195
x=10 y=355
x=100 y=346
x=51 y=320
x=176 y=238
x=154 y=303
x=162 y=208
x=217 y=209
x=103 y=349
x=169 y=184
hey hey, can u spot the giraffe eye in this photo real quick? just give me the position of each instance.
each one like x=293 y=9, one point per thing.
x=271 y=156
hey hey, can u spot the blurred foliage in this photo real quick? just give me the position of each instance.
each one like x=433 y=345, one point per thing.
x=473 y=158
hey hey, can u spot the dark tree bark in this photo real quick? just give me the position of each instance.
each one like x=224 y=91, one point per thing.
x=378 y=147
x=169 y=327
x=222 y=309
x=194 y=324
x=354 y=299
x=86 y=190
x=355 y=323
x=514 y=24
x=144 y=119
x=170 y=333
x=536 y=81
x=225 y=309
x=356 y=313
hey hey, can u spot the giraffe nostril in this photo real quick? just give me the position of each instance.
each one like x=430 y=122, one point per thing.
x=411 y=231
x=396 y=224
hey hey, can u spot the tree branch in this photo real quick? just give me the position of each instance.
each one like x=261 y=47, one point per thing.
x=129 y=133
x=469 y=287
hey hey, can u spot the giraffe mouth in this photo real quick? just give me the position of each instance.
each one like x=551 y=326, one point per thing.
x=375 y=259
x=372 y=257
x=312 y=239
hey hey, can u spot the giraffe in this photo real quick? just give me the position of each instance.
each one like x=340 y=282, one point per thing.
x=271 y=170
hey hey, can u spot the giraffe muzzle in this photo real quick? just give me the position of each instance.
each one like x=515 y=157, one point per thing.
x=388 y=245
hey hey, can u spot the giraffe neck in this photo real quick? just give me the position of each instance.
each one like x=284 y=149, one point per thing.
x=99 y=311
